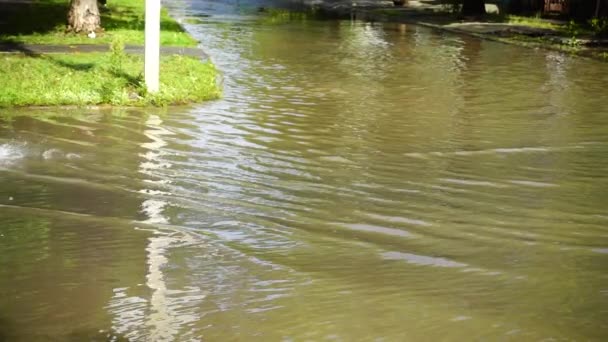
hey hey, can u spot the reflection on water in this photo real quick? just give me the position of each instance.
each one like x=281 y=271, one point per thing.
x=358 y=182
x=160 y=321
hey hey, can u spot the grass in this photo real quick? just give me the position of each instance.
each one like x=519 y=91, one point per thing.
x=101 y=78
x=44 y=22
x=535 y=22
x=112 y=78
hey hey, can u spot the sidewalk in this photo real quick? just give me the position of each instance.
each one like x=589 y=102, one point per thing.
x=428 y=12
x=38 y=49
x=523 y=31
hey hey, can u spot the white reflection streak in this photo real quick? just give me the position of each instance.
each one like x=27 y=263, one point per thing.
x=557 y=84
x=160 y=321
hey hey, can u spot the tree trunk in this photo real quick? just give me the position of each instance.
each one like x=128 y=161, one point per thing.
x=83 y=16
x=473 y=7
x=597 y=9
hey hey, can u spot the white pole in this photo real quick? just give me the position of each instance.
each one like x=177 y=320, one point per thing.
x=152 y=45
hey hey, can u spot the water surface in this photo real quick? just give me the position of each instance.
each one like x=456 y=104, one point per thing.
x=358 y=181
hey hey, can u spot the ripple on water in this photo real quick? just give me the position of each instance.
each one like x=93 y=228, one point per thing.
x=422 y=260
x=11 y=152
x=399 y=219
x=377 y=229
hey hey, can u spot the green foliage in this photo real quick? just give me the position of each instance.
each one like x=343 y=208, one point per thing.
x=573 y=42
x=535 y=21
x=117 y=53
x=573 y=29
x=93 y=79
x=599 y=26
x=453 y=6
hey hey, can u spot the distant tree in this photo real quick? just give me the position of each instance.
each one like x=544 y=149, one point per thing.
x=528 y=6
x=473 y=7
x=83 y=16
x=586 y=9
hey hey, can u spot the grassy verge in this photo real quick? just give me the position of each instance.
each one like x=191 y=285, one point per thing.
x=44 y=22
x=535 y=22
x=101 y=78
x=112 y=78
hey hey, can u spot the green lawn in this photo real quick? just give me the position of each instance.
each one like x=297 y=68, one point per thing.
x=44 y=22
x=101 y=78
x=112 y=78
x=535 y=22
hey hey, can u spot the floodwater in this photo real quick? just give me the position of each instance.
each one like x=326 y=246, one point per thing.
x=358 y=182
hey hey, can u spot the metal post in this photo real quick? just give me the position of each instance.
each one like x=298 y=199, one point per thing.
x=152 y=45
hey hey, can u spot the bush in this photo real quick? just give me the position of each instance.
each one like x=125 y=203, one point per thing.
x=599 y=26
x=453 y=6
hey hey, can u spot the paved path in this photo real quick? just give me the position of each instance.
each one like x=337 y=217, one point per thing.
x=431 y=13
x=500 y=29
x=412 y=5
x=37 y=49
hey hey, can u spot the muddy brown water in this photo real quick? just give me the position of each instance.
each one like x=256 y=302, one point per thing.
x=358 y=182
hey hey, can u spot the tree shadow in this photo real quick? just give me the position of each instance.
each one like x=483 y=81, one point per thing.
x=23 y=49
x=10 y=330
x=26 y=17
x=133 y=19
x=71 y=65
x=7 y=330
x=13 y=46
x=134 y=82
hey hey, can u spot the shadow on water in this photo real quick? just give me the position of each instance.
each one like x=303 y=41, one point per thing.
x=7 y=330
x=10 y=332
